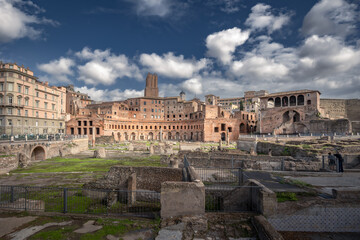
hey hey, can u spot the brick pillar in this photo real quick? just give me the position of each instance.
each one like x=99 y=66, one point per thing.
x=132 y=189
x=93 y=137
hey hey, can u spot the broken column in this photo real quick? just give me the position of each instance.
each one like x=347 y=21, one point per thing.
x=220 y=145
x=132 y=189
x=151 y=149
x=227 y=138
x=93 y=137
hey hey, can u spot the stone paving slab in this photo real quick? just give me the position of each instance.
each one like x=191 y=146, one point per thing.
x=7 y=225
x=27 y=232
x=88 y=227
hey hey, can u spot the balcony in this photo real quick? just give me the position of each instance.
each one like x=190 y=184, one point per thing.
x=16 y=105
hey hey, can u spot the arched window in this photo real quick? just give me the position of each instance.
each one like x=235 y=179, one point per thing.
x=308 y=102
x=277 y=102
x=270 y=103
x=285 y=101
x=300 y=99
x=292 y=101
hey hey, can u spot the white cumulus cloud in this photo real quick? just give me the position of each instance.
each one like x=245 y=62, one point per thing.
x=103 y=67
x=16 y=22
x=109 y=95
x=58 y=70
x=221 y=45
x=331 y=17
x=173 y=66
x=262 y=17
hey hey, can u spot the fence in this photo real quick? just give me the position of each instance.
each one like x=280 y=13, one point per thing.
x=320 y=219
x=315 y=135
x=38 y=137
x=225 y=190
x=78 y=200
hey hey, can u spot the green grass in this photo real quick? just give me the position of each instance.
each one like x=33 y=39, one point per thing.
x=57 y=234
x=306 y=146
x=110 y=226
x=295 y=182
x=59 y=164
x=286 y=152
x=116 y=229
x=286 y=196
x=11 y=155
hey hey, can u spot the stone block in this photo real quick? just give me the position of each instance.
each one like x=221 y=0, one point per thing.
x=100 y=153
x=346 y=193
x=182 y=198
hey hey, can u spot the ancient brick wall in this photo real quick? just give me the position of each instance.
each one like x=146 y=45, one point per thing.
x=105 y=139
x=333 y=108
x=147 y=178
x=8 y=163
x=338 y=126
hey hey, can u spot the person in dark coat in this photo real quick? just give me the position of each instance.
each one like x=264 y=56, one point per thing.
x=341 y=161
x=332 y=161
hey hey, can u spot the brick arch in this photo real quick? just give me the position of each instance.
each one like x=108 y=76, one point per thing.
x=38 y=153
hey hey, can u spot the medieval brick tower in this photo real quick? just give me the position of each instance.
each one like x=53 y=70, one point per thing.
x=151 y=89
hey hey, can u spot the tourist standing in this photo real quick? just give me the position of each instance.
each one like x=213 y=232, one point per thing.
x=332 y=161
x=341 y=161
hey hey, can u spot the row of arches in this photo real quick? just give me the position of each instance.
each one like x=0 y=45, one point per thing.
x=287 y=101
x=151 y=127
x=133 y=136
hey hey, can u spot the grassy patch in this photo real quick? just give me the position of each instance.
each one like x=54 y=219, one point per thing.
x=54 y=234
x=3 y=156
x=115 y=227
x=286 y=152
x=306 y=146
x=295 y=182
x=59 y=164
x=286 y=196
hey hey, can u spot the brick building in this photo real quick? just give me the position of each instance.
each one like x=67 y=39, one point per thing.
x=156 y=118
x=289 y=112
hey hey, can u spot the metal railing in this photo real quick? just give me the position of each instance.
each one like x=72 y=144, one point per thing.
x=140 y=203
x=320 y=218
x=39 y=137
x=300 y=135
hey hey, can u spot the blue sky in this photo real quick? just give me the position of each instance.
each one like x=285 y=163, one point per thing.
x=222 y=47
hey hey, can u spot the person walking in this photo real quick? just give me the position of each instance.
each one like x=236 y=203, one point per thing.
x=341 y=161
x=331 y=161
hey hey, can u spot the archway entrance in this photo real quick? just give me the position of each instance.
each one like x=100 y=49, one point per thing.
x=223 y=137
x=38 y=154
x=242 y=128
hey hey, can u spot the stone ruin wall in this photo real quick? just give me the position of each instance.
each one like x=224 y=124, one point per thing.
x=147 y=178
x=10 y=153
x=333 y=108
x=259 y=162
x=342 y=108
x=326 y=126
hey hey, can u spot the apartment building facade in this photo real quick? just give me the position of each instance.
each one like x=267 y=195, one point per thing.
x=28 y=106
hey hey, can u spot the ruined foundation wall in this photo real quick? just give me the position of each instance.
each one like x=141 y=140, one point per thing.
x=8 y=163
x=338 y=126
x=149 y=178
x=105 y=139
x=333 y=108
